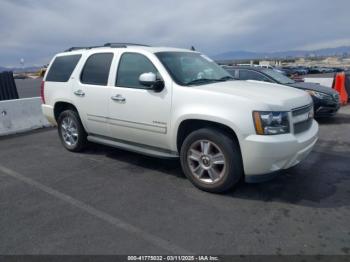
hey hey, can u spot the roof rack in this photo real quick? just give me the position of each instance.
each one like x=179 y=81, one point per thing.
x=123 y=44
x=74 y=48
x=111 y=45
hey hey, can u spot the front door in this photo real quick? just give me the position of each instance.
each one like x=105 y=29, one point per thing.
x=137 y=114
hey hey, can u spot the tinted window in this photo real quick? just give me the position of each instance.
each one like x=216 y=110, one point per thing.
x=233 y=72
x=252 y=75
x=62 y=68
x=96 y=69
x=131 y=66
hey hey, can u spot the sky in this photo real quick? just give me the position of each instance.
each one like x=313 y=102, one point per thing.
x=37 y=29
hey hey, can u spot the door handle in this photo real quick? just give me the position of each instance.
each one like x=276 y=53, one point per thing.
x=79 y=93
x=118 y=98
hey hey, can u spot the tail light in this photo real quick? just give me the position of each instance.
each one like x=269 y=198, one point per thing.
x=42 y=94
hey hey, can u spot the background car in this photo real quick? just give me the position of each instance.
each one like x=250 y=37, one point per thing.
x=326 y=100
x=301 y=70
x=338 y=69
x=347 y=82
x=315 y=70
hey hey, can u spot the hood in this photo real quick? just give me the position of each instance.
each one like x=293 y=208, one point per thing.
x=275 y=96
x=314 y=87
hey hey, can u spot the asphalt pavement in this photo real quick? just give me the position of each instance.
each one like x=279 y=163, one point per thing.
x=109 y=201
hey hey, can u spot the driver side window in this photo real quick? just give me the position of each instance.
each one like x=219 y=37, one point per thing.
x=131 y=66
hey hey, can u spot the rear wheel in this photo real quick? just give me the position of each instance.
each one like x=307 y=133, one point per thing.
x=71 y=131
x=211 y=160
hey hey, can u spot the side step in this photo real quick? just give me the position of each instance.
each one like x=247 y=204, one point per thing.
x=129 y=146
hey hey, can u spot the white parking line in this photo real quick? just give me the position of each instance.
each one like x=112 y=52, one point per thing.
x=157 y=241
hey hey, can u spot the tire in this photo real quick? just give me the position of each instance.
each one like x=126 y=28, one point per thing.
x=71 y=131
x=218 y=166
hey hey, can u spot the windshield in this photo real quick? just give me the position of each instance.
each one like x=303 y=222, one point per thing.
x=189 y=68
x=278 y=77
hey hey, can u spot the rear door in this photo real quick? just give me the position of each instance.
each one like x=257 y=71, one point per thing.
x=91 y=93
x=58 y=80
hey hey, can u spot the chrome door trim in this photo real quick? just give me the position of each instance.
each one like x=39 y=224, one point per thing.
x=160 y=129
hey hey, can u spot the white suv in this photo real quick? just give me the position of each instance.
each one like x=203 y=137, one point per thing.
x=168 y=102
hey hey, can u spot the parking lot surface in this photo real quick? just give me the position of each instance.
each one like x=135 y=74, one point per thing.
x=28 y=87
x=109 y=201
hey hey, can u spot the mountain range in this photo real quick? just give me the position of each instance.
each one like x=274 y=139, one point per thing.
x=20 y=69
x=236 y=55
x=233 y=55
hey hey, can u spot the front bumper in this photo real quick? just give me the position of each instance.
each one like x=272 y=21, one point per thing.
x=267 y=154
x=326 y=107
x=324 y=111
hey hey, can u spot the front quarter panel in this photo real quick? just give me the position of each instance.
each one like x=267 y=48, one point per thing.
x=193 y=103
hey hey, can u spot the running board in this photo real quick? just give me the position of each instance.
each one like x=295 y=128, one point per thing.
x=129 y=146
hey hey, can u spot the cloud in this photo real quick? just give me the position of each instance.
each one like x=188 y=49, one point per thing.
x=36 y=30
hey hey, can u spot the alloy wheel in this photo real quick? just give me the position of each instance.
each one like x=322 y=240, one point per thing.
x=69 y=131
x=206 y=160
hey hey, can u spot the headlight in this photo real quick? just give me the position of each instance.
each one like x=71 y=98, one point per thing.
x=319 y=95
x=271 y=123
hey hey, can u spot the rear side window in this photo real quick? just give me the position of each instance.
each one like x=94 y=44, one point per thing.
x=62 y=68
x=96 y=69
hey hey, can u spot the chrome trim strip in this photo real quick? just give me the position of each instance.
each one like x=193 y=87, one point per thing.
x=301 y=118
x=301 y=114
x=99 y=119
x=301 y=110
x=129 y=124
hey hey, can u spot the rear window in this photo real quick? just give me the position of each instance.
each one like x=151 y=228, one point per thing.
x=62 y=68
x=96 y=69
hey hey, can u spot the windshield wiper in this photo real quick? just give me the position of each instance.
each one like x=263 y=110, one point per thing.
x=225 y=78
x=201 y=80
x=206 y=80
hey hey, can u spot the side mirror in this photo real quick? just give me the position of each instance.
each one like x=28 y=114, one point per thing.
x=150 y=80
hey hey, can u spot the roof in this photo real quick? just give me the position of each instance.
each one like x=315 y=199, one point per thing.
x=109 y=46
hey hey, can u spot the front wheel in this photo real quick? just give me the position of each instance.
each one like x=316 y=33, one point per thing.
x=211 y=160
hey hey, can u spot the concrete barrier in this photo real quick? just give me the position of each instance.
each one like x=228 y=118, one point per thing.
x=21 y=115
x=322 y=81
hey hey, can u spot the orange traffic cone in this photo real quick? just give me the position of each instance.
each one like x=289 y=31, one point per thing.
x=339 y=86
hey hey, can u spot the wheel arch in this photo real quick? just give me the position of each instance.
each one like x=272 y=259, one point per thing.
x=61 y=106
x=187 y=126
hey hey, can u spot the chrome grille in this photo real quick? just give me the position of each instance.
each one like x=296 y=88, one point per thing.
x=301 y=110
x=302 y=118
x=302 y=126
